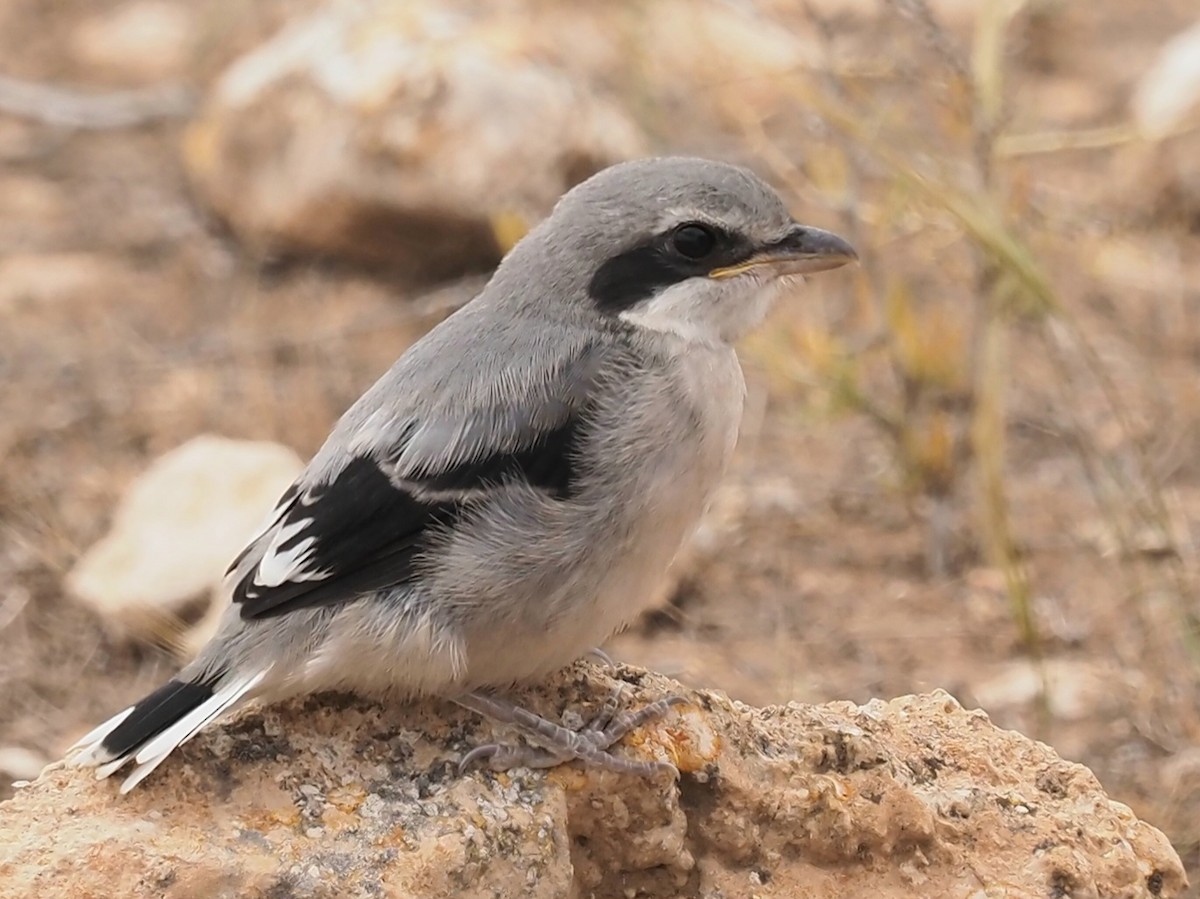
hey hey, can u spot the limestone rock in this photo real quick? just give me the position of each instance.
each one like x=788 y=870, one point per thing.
x=396 y=133
x=178 y=528
x=337 y=796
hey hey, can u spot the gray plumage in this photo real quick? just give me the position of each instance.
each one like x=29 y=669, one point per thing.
x=506 y=496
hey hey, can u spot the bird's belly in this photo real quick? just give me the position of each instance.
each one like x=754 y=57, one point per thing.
x=634 y=580
x=591 y=600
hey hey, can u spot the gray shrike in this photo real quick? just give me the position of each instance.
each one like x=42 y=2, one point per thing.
x=507 y=495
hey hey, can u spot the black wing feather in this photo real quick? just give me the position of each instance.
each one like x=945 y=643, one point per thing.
x=368 y=531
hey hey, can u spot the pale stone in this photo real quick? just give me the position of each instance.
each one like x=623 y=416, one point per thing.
x=396 y=133
x=35 y=278
x=1074 y=689
x=147 y=39
x=1167 y=95
x=19 y=763
x=177 y=529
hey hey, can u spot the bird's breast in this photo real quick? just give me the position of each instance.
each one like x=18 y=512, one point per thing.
x=584 y=567
x=687 y=436
x=692 y=442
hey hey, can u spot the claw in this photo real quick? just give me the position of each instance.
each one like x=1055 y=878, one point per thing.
x=487 y=750
x=601 y=656
x=590 y=745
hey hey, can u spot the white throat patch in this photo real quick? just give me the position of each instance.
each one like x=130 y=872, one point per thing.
x=711 y=312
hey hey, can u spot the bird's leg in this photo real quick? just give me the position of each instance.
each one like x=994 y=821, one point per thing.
x=559 y=744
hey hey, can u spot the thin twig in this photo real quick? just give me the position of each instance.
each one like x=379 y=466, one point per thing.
x=68 y=108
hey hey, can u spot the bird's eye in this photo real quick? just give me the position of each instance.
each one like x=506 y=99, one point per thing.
x=693 y=241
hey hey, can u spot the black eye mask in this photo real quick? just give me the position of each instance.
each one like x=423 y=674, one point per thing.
x=690 y=250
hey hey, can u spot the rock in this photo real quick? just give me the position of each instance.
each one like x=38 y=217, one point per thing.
x=145 y=39
x=427 y=137
x=1167 y=95
x=1163 y=174
x=692 y=63
x=950 y=13
x=399 y=134
x=19 y=763
x=1074 y=689
x=337 y=796
x=177 y=529
x=731 y=50
x=37 y=278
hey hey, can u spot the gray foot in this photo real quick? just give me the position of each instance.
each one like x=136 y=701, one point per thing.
x=559 y=744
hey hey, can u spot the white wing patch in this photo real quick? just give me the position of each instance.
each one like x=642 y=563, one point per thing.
x=279 y=566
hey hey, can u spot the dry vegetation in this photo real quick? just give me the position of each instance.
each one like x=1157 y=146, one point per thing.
x=971 y=465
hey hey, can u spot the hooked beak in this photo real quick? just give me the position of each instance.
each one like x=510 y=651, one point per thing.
x=802 y=251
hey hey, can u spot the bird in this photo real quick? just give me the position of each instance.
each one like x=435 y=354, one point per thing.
x=510 y=492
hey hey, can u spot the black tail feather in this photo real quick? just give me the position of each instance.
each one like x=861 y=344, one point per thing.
x=154 y=714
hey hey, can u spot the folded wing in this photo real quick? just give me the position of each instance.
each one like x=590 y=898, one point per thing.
x=360 y=525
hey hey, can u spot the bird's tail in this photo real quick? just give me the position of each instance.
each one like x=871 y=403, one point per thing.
x=148 y=731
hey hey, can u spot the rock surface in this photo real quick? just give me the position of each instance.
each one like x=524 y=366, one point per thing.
x=177 y=529
x=427 y=136
x=336 y=796
x=399 y=134
x=1165 y=107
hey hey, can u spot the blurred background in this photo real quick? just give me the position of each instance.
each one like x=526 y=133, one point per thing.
x=971 y=463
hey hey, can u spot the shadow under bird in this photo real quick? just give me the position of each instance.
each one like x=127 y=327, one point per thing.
x=507 y=495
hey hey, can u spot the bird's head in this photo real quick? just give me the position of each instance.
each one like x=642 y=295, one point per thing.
x=687 y=246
